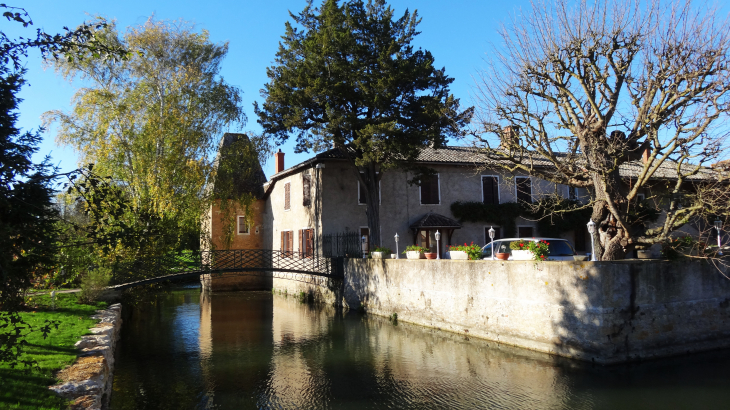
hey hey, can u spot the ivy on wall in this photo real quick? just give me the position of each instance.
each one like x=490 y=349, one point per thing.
x=554 y=216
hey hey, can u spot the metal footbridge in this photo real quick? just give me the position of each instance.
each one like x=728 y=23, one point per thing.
x=279 y=264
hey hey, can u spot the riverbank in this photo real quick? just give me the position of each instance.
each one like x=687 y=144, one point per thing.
x=29 y=390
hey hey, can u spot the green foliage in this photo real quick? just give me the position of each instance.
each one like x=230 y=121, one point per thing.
x=349 y=76
x=94 y=283
x=28 y=388
x=554 y=215
x=414 y=248
x=520 y=245
x=473 y=251
x=383 y=249
x=151 y=123
x=503 y=215
x=539 y=249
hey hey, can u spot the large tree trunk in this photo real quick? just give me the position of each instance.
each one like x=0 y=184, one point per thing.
x=369 y=178
x=610 y=236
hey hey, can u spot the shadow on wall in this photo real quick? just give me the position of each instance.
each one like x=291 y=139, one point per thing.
x=360 y=290
x=628 y=311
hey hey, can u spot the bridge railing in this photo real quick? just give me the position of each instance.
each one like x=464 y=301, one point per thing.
x=240 y=260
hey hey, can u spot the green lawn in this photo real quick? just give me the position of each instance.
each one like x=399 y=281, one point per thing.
x=22 y=389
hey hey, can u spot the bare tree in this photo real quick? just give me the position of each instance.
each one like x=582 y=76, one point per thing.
x=618 y=97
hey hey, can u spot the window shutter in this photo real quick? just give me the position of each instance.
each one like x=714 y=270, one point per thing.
x=287 y=191
x=490 y=187
x=291 y=241
x=306 y=190
x=430 y=190
x=283 y=243
x=301 y=243
x=524 y=190
x=309 y=242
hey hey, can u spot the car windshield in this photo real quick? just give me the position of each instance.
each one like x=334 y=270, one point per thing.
x=560 y=248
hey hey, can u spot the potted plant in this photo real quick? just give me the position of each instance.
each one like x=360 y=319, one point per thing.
x=501 y=256
x=521 y=250
x=431 y=254
x=471 y=251
x=380 y=252
x=414 y=252
x=539 y=249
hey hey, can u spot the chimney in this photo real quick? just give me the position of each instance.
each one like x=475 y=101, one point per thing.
x=645 y=155
x=509 y=137
x=278 y=161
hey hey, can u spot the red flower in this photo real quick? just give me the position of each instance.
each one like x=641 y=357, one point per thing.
x=521 y=245
x=542 y=256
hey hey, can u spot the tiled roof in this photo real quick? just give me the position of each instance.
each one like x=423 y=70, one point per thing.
x=474 y=156
x=432 y=220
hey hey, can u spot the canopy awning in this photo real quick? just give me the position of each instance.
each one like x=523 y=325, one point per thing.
x=435 y=221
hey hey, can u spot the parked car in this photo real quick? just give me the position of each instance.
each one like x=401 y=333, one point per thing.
x=558 y=250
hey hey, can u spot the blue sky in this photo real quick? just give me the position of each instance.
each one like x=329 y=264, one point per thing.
x=458 y=33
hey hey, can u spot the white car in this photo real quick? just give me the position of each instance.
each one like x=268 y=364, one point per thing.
x=558 y=250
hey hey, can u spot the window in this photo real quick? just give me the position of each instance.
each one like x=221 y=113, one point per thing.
x=572 y=193
x=362 y=195
x=306 y=243
x=287 y=244
x=430 y=194
x=306 y=189
x=243 y=227
x=523 y=187
x=640 y=197
x=525 y=232
x=490 y=189
x=497 y=233
x=287 y=196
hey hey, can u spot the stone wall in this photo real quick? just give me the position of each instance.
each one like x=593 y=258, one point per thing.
x=607 y=312
x=88 y=382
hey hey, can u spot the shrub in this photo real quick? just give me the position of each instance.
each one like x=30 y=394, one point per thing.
x=94 y=284
x=520 y=245
x=383 y=249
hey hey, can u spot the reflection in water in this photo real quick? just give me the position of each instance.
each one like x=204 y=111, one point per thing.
x=255 y=350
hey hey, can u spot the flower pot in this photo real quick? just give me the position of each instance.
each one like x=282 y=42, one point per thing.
x=522 y=255
x=460 y=255
x=393 y=256
x=643 y=254
x=379 y=255
x=501 y=256
x=430 y=255
x=414 y=255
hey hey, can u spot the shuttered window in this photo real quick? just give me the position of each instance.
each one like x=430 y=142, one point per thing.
x=430 y=190
x=306 y=189
x=524 y=189
x=287 y=196
x=287 y=244
x=306 y=243
x=490 y=190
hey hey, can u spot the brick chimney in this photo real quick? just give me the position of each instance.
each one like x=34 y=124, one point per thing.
x=509 y=137
x=278 y=161
x=645 y=155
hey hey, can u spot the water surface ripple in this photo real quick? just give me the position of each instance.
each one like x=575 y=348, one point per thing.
x=255 y=350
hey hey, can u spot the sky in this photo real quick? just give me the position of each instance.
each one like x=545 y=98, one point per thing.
x=458 y=33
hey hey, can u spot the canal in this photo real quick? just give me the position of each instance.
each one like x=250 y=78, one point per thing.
x=255 y=350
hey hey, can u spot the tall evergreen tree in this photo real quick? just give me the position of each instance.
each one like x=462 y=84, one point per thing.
x=350 y=78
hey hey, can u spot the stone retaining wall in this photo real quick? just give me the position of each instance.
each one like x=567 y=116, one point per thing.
x=88 y=382
x=606 y=312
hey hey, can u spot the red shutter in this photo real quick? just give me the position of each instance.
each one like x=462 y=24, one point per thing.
x=283 y=243
x=291 y=242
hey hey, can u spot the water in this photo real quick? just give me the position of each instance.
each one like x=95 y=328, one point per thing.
x=252 y=350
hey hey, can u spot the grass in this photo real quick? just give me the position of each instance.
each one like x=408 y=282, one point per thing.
x=28 y=389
